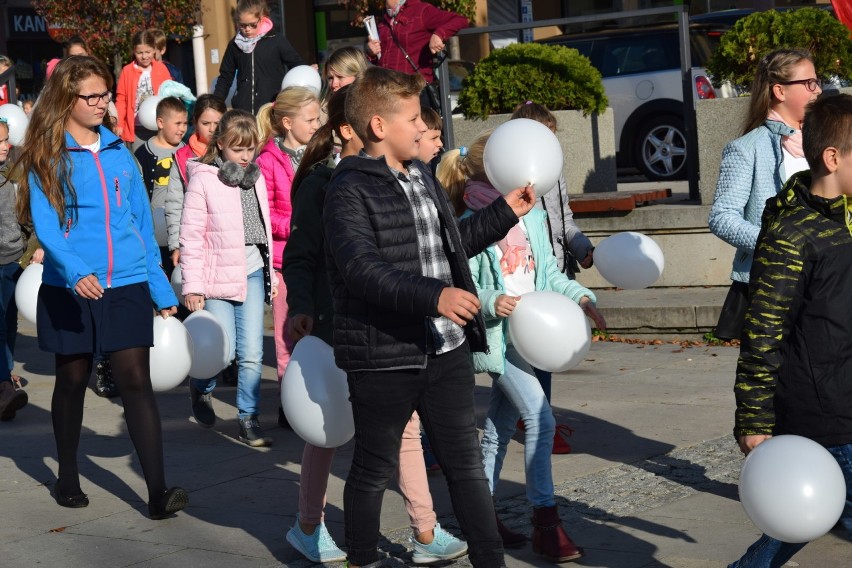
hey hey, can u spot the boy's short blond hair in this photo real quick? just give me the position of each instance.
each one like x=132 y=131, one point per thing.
x=827 y=124
x=169 y=105
x=378 y=91
x=159 y=38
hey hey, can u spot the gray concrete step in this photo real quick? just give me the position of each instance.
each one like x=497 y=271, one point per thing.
x=662 y=312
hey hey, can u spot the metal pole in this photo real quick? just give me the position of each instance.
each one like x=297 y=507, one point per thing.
x=690 y=125
x=446 y=112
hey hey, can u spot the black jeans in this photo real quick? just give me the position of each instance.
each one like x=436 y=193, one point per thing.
x=382 y=403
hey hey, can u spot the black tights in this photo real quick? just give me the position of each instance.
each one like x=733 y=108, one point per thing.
x=130 y=371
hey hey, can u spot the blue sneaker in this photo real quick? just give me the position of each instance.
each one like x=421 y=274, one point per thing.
x=443 y=547
x=317 y=547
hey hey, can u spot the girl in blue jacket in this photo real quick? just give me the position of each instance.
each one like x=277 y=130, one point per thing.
x=520 y=263
x=102 y=278
x=756 y=165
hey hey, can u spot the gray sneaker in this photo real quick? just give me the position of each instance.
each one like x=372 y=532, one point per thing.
x=252 y=434
x=202 y=407
x=443 y=547
x=318 y=547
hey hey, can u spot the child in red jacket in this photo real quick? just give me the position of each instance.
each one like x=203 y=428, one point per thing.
x=139 y=80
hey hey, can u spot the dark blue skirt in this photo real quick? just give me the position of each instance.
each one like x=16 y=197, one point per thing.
x=68 y=324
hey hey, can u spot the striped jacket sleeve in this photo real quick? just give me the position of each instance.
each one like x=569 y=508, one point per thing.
x=776 y=281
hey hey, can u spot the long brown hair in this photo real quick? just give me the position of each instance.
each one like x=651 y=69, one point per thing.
x=775 y=67
x=321 y=146
x=44 y=153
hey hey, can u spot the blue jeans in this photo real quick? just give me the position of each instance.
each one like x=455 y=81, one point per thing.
x=9 y=274
x=768 y=552
x=243 y=323
x=517 y=393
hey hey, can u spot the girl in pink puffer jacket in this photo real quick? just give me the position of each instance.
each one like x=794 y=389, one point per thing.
x=225 y=257
x=287 y=125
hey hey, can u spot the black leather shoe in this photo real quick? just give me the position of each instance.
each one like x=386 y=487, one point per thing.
x=172 y=501
x=77 y=501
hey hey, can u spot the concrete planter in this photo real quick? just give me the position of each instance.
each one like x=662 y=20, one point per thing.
x=588 y=144
x=719 y=121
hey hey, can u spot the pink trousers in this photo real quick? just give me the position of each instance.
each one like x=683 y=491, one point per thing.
x=283 y=344
x=411 y=476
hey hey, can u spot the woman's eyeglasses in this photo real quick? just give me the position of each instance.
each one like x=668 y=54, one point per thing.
x=810 y=84
x=248 y=25
x=94 y=100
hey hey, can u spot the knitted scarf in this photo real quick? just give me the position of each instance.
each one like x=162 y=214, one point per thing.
x=246 y=44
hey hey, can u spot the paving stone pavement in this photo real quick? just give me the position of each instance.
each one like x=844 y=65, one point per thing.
x=651 y=481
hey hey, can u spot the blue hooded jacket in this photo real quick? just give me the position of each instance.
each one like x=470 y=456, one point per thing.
x=110 y=233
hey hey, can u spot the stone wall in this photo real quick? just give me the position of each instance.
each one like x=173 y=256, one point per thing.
x=588 y=144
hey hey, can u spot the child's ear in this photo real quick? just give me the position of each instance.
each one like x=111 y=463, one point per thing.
x=377 y=127
x=345 y=132
x=160 y=123
x=830 y=158
x=287 y=123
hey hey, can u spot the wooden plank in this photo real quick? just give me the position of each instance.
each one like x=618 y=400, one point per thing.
x=615 y=200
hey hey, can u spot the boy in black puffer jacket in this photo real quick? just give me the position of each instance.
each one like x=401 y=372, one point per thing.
x=406 y=315
x=794 y=374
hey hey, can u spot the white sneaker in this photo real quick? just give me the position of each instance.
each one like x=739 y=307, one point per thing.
x=317 y=547
x=443 y=547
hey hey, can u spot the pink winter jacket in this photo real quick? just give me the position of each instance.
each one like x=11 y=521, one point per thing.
x=278 y=173
x=212 y=238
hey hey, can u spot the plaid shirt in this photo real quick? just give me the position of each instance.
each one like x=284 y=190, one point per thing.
x=446 y=334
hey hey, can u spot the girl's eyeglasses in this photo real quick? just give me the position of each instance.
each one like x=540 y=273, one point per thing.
x=248 y=25
x=810 y=84
x=94 y=100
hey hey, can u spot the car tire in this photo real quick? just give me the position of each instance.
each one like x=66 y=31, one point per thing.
x=661 y=148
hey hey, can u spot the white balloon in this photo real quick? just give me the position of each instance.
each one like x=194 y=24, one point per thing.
x=550 y=331
x=148 y=112
x=160 y=231
x=210 y=344
x=303 y=76
x=171 y=356
x=629 y=260
x=177 y=283
x=315 y=395
x=26 y=291
x=792 y=488
x=17 y=121
x=521 y=152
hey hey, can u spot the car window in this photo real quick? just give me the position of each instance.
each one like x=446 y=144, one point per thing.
x=627 y=54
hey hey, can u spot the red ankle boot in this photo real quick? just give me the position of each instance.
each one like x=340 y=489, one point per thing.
x=511 y=539
x=550 y=539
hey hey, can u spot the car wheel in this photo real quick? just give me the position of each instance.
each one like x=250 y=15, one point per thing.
x=661 y=152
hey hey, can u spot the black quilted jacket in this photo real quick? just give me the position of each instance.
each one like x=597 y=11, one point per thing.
x=381 y=298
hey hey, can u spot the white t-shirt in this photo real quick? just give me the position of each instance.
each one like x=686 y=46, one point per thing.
x=791 y=165
x=523 y=279
x=94 y=147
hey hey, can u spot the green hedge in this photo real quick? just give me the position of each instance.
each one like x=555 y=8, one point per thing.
x=741 y=48
x=555 y=76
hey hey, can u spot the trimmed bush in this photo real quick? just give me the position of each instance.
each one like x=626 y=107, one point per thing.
x=552 y=75
x=752 y=37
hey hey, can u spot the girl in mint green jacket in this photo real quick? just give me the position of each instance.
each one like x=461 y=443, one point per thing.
x=520 y=263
